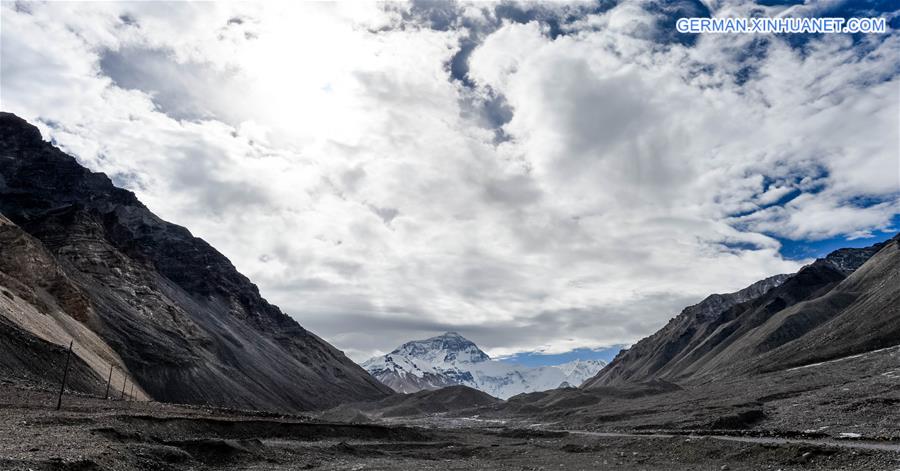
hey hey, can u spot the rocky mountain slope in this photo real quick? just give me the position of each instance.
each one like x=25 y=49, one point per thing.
x=41 y=310
x=845 y=303
x=84 y=260
x=451 y=359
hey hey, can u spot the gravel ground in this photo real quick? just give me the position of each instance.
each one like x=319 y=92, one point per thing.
x=92 y=434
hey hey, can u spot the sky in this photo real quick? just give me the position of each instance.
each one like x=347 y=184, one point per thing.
x=537 y=358
x=546 y=179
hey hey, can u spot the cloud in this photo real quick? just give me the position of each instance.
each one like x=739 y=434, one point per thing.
x=537 y=177
x=174 y=86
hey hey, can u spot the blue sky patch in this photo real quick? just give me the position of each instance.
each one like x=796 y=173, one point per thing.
x=541 y=359
x=802 y=249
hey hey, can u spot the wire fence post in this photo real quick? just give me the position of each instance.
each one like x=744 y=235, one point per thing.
x=131 y=394
x=124 y=382
x=62 y=387
x=108 y=381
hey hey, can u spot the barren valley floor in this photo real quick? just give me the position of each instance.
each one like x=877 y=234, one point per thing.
x=92 y=434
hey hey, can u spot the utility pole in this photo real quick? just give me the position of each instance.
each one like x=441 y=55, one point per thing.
x=108 y=381
x=62 y=387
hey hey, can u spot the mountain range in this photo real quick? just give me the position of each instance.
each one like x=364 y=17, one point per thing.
x=451 y=359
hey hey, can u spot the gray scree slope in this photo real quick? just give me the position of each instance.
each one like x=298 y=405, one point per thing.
x=843 y=304
x=166 y=305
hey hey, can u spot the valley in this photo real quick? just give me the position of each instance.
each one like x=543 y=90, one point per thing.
x=795 y=371
x=92 y=434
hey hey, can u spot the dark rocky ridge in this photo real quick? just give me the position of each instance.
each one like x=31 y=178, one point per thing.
x=850 y=298
x=186 y=324
x=644 y=360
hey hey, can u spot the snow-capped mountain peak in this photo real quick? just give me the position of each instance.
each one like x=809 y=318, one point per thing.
x=451 y=359
x=447 y=348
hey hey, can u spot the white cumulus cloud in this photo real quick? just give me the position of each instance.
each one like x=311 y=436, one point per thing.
x=334 y=153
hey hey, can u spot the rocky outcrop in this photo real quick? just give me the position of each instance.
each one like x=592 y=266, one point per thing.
x=41 y=311
x=185 y=323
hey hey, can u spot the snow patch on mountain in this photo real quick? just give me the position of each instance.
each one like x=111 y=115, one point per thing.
x=451 y=359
